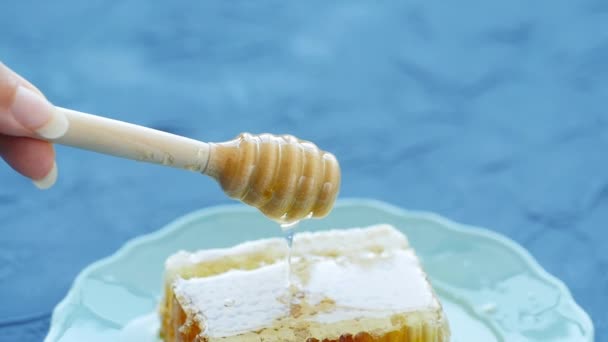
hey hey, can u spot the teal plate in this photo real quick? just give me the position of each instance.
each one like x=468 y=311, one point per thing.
x=491 y=288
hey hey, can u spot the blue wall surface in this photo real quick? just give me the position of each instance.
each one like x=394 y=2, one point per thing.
x=493 y=114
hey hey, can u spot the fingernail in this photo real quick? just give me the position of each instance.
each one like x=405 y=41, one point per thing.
x=36 y=113
x=48 y=180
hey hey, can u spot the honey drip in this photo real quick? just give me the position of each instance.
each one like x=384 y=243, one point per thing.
x=292 y=288
x=285 y=178
x=289 y=238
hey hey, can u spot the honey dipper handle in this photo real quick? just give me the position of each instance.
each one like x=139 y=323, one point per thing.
x=121 y=139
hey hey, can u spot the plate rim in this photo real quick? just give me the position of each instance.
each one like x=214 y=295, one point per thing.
x=59 y=311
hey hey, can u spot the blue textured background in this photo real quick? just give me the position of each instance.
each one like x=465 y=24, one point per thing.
x=490 y=114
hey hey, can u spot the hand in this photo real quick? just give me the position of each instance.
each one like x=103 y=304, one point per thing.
x=24 y=115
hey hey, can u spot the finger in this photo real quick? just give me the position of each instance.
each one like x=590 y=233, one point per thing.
x=24 y=111
x=8 y=87
x=21 y=80
x=32 y=158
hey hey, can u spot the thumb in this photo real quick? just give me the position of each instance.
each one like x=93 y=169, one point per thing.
x=37 y=114
x=25 y=111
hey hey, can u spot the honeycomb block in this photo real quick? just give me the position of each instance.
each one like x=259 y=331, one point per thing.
x=360 y=284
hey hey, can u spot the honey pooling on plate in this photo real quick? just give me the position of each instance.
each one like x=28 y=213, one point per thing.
x=287 y=179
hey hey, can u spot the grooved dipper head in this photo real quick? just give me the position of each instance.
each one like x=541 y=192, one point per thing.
x=287 y=179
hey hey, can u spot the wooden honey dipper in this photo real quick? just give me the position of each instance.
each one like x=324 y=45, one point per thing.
x=285 y=178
